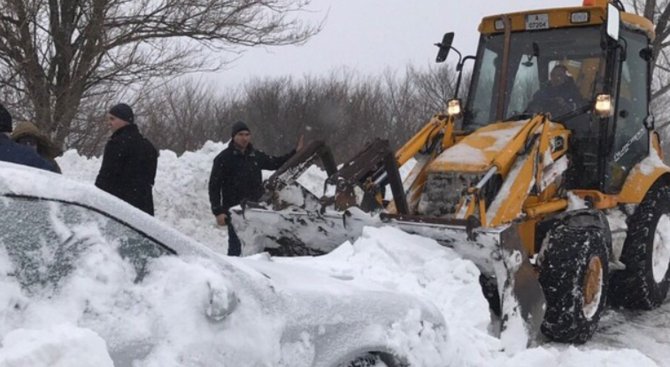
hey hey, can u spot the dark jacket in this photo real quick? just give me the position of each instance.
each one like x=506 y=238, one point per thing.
x=236 y=176
x=20 y=154
x=557 y=100
x=128 y=168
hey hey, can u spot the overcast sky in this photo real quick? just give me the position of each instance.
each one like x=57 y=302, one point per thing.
x=369 y=36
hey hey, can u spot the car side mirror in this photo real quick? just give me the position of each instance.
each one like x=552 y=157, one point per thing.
x=221 y=303
x=444 y=47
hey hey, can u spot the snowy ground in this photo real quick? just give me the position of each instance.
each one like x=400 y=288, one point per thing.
x=387 y=257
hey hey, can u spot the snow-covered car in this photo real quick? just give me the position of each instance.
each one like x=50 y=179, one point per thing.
x=83 y=274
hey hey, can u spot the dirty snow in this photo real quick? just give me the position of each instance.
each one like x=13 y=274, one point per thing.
x=385 y=257
x=461 y=154
x=504 y=136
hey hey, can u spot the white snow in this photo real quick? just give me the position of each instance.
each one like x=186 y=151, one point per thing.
x=52 y=331
x=575 y=202
x=56 y=346
x=651 y=163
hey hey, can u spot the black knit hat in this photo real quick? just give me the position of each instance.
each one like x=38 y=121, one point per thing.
x=5 y=120
x=237 y=127
x=123 y=112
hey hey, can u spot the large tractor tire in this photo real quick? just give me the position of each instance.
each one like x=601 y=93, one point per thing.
x=377 y=360
x=573 y=275
x=643 y=284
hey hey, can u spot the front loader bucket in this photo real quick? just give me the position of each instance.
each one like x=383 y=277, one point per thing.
x=497 y=252
x=293 y=232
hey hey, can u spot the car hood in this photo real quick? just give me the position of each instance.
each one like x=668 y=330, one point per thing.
x=358 y=315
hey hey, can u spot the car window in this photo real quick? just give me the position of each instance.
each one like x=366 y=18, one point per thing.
x=44 y=239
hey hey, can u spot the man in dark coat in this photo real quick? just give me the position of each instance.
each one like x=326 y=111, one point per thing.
x=129 y=162
x=17 y=153
x=236 y=176
x=559 y=96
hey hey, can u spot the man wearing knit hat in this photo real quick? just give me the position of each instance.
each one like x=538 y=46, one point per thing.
x=129 y=162
x=12 y=152
x=236 y=176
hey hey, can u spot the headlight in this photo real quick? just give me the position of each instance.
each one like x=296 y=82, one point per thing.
x=454 y=107
x=603 y=105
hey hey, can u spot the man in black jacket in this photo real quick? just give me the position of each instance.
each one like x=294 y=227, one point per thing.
x=236 y=176
x=558 y=96
x=129 y=163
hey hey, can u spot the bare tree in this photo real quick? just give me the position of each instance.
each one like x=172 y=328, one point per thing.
x=56 y=53
x=658 y=12
x=181 y=115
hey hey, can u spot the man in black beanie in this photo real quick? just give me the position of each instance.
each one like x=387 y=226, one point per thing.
x=236 y=176
x=129 y=162
x=13 y=152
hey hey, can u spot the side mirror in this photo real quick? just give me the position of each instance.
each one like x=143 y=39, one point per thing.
x=444 y=47
x=221 y=303
x=613 y=22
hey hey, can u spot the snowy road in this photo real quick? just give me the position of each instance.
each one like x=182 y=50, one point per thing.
x=646 y=331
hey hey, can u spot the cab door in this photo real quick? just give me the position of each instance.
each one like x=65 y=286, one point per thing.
x=629 y=138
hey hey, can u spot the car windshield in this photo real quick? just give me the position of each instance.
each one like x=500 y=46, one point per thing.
x=535 y=59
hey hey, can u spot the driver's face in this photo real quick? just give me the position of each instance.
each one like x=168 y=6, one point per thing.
x=558 y=76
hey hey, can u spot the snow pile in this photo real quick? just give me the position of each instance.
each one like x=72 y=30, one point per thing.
x=55 y=346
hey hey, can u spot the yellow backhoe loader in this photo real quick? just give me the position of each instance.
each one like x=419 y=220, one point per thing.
x=550 y=177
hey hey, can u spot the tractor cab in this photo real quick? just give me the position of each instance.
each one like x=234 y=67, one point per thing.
x=589 y=75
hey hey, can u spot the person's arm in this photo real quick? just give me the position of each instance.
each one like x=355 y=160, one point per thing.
x=272 y=163
x=576 y=96
x=216 y=182
x=153 y=162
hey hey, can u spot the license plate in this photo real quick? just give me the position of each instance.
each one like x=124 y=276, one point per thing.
x=537 y=21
